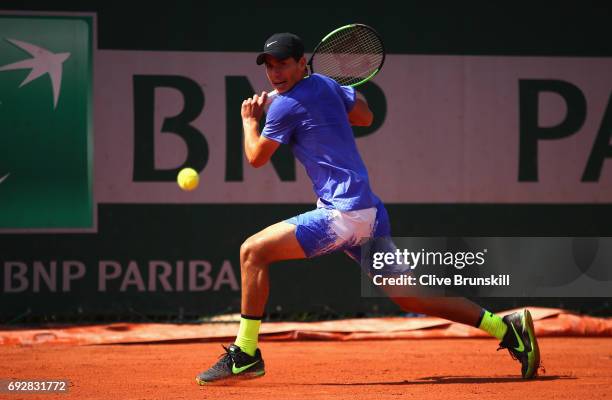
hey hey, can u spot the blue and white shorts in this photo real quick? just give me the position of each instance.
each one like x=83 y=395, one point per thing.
x=325 y=230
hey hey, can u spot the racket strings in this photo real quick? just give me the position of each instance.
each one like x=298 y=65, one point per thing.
x=349 y=72
x=350 y=55
x=370 y=53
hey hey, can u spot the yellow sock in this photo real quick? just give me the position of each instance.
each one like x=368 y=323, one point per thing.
x=247 y=335
x=493 y=324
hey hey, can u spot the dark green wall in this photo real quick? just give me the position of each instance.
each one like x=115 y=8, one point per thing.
x=174 y=232
x=473 y=27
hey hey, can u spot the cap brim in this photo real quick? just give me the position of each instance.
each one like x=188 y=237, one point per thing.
x=261 y=57
x=281 y=55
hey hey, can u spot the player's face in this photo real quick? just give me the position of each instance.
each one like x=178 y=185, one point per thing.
x=284 y=74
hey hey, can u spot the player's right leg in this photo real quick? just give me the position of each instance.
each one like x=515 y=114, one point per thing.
x=242 y=359
x=310 y=234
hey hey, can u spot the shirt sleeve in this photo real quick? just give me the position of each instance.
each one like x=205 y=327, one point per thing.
x=348 y=96
x=280 y=122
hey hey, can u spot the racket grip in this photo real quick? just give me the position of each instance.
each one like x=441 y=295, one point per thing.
x=271 y=96
x=270 y=99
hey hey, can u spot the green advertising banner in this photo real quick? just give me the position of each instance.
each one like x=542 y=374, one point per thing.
x=46 y=123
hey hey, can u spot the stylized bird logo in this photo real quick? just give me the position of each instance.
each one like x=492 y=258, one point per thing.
x=43 y=62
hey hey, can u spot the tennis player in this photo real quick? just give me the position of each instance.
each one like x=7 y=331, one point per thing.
x=313 y=116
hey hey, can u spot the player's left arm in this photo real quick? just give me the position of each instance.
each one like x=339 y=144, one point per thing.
x=258 y=149
x=360 y=114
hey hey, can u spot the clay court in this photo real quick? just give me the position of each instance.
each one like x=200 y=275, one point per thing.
x=377 y=358
x=380 y=369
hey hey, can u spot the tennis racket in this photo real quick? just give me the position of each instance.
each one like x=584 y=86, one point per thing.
x=351 y=55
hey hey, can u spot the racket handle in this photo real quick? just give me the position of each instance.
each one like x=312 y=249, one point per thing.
x=271 y=96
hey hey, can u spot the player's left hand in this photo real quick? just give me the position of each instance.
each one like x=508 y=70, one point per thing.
x=253 y=107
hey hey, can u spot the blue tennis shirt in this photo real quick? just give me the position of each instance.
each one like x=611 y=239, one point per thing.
x=312 y=119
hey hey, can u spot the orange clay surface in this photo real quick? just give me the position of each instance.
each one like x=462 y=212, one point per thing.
x=373 y=369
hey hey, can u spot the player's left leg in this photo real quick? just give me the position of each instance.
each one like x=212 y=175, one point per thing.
x=515 y=331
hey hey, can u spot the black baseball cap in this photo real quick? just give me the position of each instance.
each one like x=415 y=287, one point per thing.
x=281 y=46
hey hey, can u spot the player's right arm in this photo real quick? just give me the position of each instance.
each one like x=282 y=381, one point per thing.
x=257 y=148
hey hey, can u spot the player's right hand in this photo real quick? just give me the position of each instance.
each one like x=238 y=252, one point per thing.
x=253 y=107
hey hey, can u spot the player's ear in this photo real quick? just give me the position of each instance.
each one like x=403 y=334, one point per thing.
x=302 y=62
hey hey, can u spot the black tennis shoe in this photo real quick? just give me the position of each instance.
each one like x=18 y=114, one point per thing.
x=232 y=365
x=521 y=342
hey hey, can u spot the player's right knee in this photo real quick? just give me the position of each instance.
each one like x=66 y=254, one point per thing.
x=250 y=253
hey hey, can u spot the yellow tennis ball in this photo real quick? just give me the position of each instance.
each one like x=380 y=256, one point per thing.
x=188 y=179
